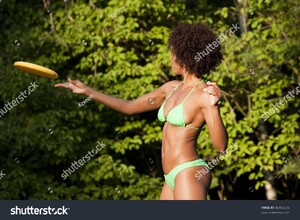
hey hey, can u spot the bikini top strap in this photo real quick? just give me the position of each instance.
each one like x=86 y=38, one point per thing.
x=192 y=90
x=205 y=79
x=173 y=91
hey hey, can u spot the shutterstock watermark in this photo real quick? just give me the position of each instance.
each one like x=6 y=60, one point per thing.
x=200 y=173
x=78 y=163
x=290 y=96
x=30 y=210
x=2 y=174
x=20 y=98
x=117 y=12
x=85 y=101
x=211 y=46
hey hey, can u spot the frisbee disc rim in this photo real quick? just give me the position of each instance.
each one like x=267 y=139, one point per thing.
x=36 y=69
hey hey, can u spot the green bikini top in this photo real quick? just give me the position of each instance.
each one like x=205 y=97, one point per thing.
x=176 y=114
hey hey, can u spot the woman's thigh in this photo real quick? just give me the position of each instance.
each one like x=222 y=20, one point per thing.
x=166 y=193
x=187 y=187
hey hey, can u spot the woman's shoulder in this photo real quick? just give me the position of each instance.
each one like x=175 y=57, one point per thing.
x=201 y=97
x=171 y=84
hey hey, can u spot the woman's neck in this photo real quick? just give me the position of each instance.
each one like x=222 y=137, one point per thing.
x=190 y=80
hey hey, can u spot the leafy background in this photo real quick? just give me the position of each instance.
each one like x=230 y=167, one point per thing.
x=120 y=48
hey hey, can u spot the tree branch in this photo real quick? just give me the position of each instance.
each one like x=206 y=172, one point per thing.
x=47 y=8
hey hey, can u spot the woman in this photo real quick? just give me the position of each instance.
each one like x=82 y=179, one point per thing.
x=185 y=107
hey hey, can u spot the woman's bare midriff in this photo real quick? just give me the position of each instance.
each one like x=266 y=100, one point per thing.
x=178 y=146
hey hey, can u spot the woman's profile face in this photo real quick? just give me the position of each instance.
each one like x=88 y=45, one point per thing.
x=175 y=66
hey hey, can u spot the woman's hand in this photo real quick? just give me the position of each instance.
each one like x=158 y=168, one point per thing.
x=215 y=92
x=74 y=86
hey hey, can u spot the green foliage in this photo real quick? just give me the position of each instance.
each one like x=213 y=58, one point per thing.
x=258 y=71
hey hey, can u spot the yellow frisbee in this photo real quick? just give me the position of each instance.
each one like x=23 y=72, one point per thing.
x=36 y=69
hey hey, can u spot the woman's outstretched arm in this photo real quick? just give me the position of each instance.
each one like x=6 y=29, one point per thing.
x=147 y=102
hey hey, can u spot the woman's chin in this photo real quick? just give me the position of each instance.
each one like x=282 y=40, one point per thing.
x=177 y=74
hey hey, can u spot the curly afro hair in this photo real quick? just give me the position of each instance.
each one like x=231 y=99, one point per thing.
x=190 y=43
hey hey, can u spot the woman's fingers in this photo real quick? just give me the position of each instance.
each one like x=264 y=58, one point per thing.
x=213 y=89
x=73 y=86
x=73 y=81
x=70 y=84
x=64 y=85
x=211 y=83
x=214 y=84
x=76 y=82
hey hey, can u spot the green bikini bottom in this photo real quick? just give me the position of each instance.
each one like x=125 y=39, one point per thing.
x=170 y=177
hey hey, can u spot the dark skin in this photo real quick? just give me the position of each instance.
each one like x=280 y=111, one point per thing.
x=178 y=143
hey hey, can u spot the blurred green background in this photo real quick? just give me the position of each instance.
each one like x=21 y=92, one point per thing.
x=120 y=48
